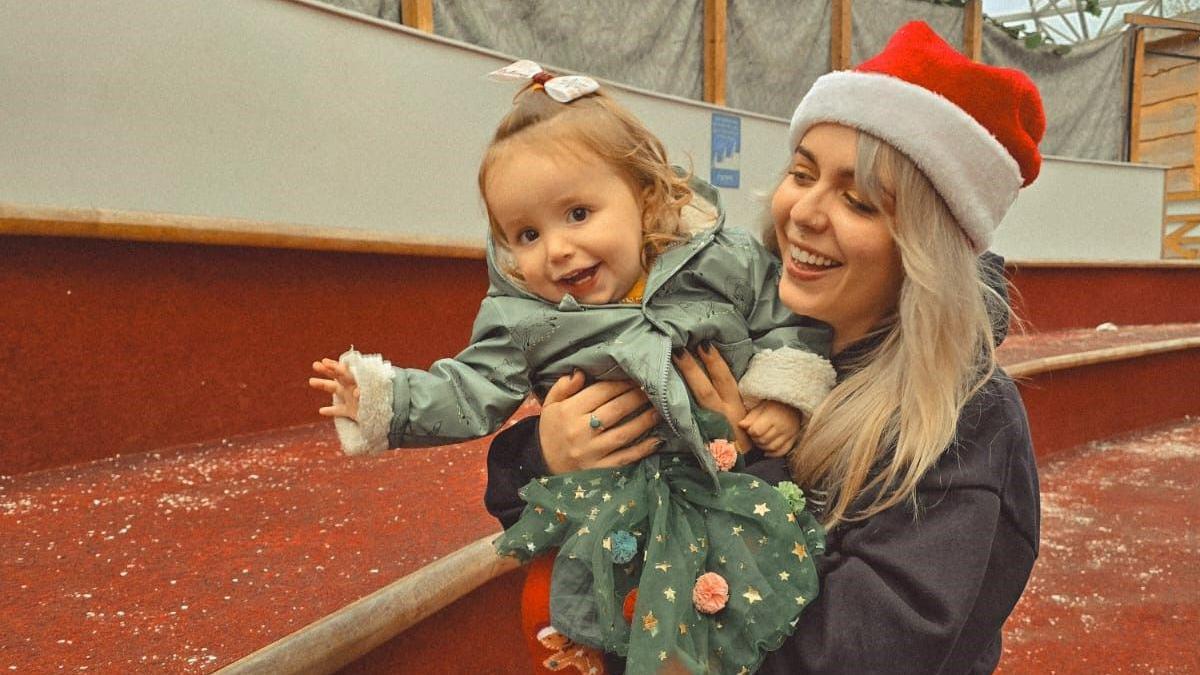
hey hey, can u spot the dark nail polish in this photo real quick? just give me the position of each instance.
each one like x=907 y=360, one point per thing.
x=706 y=345
x=677 y=352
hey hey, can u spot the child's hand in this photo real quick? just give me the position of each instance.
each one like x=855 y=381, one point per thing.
x=336 y=379
x=773 y=426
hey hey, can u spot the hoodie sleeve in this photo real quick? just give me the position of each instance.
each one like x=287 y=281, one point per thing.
x=791 y=363
x=457 y=399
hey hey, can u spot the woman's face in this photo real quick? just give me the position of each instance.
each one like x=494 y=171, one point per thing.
x=840 y=262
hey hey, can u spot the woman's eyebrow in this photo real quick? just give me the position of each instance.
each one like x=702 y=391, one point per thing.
x=843 y=174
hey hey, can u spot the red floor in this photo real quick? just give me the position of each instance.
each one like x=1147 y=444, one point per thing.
x=187 y=559
x=1117 y=587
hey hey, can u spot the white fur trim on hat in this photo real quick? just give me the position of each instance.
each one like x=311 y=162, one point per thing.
x=374 y=377
x=798 y=378
x=970 y=169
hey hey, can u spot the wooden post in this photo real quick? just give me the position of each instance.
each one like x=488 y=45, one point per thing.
x=973 y=30
x=840 y=36
x=417 y=14
x=714 y=51
x=1135 y=93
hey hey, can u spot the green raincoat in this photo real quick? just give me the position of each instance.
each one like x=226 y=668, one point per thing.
x=684 y=516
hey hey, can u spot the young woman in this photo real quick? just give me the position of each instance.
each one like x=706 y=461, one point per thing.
x=920 y=458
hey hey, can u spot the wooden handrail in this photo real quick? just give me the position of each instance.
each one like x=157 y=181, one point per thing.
x=350 y=632
x=49 y=221
x=1096 y=356
x=1146 y=21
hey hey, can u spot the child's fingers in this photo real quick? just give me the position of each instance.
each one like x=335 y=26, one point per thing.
x=333 y=411
x=750 y=418
x=327 y=386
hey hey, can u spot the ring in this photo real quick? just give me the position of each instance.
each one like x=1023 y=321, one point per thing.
x=595 y=423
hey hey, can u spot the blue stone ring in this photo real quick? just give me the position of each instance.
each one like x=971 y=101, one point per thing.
x=595 y=423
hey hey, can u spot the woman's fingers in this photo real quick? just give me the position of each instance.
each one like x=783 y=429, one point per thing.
x=697 y=381
x=565 y=387
x=630 y=454
x=719 y=373
x=623 y=435
x=618 y=408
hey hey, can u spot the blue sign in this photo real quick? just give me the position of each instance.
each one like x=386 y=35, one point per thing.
x=726 y=150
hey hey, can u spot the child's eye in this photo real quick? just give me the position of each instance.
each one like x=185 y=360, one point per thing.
x=578 y=214
x=859 y=205
x=527 y=236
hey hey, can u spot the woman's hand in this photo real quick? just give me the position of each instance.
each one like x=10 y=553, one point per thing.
x=716 y=389
x=570 y=438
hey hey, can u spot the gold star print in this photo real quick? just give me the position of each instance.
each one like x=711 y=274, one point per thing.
x=761 y=509
x=743 y=671
x=543 y=481
x=606 y=496
x=569 y=481
x=784 y=576
x=754 y=484
x=721 y=559
x=799 y=551
x=658 y=538
x=621 y=509
x=693 y=549
x=530 y=546
x=663 y=566
x=656 y=475
x=606 y=543
x=791 y=517
x=669 y=593
x=538 y=509
x=560 y=516
x=800 y=600
x=737 y=529
x=649 y=623
x=751 y=595
x=683 y=629
x=579 y=493
x=584 y=530
x=762 y=541
x=662 y=656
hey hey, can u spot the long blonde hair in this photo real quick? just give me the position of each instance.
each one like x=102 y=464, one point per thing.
x=596 y=123
x=878 y=432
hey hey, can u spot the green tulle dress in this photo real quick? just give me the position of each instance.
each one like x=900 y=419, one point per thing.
x=758 y=538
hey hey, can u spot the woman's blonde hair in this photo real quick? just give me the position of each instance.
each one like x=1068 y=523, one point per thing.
x=877 y=433
x=596 y=123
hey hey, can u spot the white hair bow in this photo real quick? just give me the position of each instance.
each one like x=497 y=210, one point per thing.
x=564 y=88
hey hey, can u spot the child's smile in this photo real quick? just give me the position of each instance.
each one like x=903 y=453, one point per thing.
x=571 y=221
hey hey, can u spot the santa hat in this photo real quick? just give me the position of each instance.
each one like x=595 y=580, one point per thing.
x=972 y=129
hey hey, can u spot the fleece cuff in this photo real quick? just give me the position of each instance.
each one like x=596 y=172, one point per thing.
x=374 y=377
x=798 y=378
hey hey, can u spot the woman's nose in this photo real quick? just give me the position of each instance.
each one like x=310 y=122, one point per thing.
x=810 y=211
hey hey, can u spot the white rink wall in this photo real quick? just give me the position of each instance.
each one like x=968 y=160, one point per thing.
x=293 y=112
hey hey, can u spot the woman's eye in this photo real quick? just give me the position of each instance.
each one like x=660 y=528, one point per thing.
x=859 y=205
x=527 y=236
x=578 y=214
x=801 y=177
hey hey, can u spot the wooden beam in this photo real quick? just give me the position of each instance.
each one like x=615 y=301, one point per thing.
x=47 y=221
x=840 y=35
x=350 y=632
x=1135 y=93
x=1080 y=359
x=715 y=57
x=1145 y=21
x=417 y=14
x=973 y=30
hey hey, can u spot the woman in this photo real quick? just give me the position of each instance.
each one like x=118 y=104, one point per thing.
x=920 y=459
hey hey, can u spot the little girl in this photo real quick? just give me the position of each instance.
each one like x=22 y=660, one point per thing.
x=602 y=258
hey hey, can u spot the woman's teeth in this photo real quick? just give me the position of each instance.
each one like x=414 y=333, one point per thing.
x=805 y=258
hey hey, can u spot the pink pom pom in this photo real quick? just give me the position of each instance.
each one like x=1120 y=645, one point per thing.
x=710 y=593
x=724 y=453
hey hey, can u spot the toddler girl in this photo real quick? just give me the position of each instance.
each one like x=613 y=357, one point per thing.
x=605 y=259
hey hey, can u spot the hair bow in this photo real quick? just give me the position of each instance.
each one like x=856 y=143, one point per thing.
x=564 y=88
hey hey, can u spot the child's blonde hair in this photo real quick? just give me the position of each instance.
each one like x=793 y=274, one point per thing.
x=598 y=124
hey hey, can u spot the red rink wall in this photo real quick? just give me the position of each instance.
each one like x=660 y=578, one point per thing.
x=119 y=347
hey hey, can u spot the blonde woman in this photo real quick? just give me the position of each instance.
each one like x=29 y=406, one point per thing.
x=919 y=460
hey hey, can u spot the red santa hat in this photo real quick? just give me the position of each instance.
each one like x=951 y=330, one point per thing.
x=972 y=129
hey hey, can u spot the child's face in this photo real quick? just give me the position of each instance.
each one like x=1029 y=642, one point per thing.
x=571 y=221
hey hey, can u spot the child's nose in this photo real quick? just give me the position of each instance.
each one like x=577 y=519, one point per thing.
x=559 y=246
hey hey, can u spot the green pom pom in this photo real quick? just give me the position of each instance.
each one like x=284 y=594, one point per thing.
x=793 y=494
